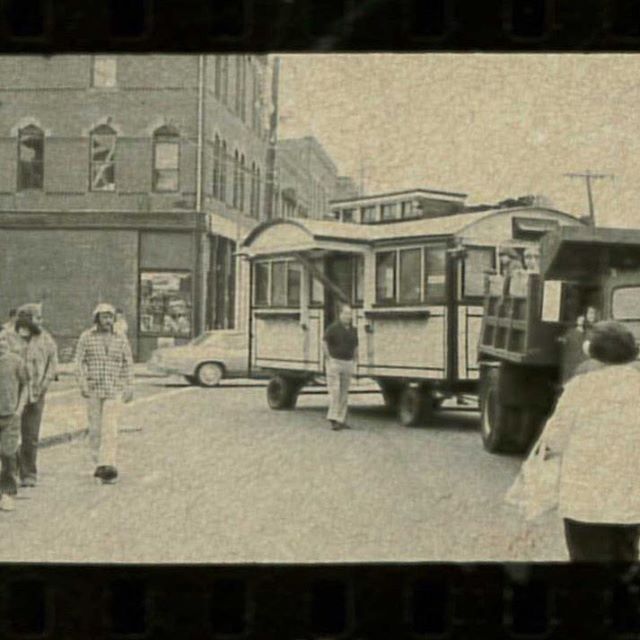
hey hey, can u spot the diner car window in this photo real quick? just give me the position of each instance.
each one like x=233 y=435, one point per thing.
x=278 y=284
x=385 y=276
x=261 y=275
x=165 y=303
x=625 y=308
x=294 y=279
x=410 y=263
x=368 y=214
x=625 y=303
x=434 y=273
x=478 y=262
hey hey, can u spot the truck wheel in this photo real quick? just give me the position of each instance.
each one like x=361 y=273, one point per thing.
x=391 y=393
x=415 y=406
x=282 y=393
x=504 y=429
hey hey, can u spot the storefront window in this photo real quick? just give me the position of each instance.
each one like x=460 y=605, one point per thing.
x=294 y=278
x=165 y=303
x=262 y=283
x=385 y=276
x=434 y=273
x=278 y=284
x=478 y=263
x=410 y=267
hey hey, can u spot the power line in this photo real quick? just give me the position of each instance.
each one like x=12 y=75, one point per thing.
x=588 y=176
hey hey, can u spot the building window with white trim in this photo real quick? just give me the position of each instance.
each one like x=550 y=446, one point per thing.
x=103 y=158
x=166 y=159
x=30 y=158
x=104 y=72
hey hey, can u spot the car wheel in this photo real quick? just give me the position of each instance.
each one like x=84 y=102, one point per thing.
x=209 y=374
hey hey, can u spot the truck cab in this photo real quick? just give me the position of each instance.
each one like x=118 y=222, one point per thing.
x=533 y=326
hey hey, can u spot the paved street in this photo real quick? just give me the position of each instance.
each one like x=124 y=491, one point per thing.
x=212 y=475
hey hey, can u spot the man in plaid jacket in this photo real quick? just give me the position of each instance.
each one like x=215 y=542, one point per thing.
x=104 y=368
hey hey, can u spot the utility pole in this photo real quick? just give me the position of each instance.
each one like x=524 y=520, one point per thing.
x=588 y=177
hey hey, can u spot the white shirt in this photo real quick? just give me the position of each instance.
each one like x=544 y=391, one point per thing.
x=596 y=426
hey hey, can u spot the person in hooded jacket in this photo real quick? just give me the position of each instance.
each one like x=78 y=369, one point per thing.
x=595 y=428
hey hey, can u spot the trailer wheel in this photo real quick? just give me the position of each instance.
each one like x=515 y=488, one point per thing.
x=391 y=392
x=415 y=406
x=282 y=393
x=504 y=429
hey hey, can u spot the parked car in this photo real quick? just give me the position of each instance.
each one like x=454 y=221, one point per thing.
x=206 y=359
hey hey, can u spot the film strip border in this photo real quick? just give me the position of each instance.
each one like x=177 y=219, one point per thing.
x=319 y=25
x=356 y=602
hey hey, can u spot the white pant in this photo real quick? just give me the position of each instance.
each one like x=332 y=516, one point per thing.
x=339 y=374
x=104 y=415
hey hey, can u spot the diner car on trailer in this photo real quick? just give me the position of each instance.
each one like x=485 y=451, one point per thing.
x=416 y=288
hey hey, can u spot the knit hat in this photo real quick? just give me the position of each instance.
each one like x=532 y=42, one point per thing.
x=30 y=309
x=103 y=307
x=612 y=343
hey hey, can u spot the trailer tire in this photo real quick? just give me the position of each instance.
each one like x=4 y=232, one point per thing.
x=282 y=393
x=415 y=406
x=391 y=393
x=504 y=428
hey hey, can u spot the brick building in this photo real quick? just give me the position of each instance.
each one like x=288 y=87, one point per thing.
x=307 y=179
x=130 y=179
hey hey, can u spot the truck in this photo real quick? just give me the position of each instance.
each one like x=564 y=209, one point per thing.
x=520 y=347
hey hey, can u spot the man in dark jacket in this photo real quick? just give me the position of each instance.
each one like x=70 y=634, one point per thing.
x=340 y=347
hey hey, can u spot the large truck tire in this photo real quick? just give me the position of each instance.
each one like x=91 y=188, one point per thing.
x=282 y=392
x=505 y=427
x=415 y=406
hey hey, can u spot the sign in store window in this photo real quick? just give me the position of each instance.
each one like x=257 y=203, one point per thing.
x=165 y=303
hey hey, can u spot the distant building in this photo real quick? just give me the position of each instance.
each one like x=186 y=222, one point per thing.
x=130 y=178
x=397 y=205
x=346 y=188
x=307 y=179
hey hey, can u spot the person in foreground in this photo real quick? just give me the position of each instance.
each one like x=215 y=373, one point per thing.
x=596 y=429
x=13 y=387
x=104 y=368
x=340 y=346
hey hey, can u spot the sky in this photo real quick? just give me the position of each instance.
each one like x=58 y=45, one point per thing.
x=493 y=126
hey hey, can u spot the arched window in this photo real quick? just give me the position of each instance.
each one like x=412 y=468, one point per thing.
x=223 y=172
x=166 y=159
x=30 y=158
x=242 y=183
x=103 y=158
x=217 y=150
